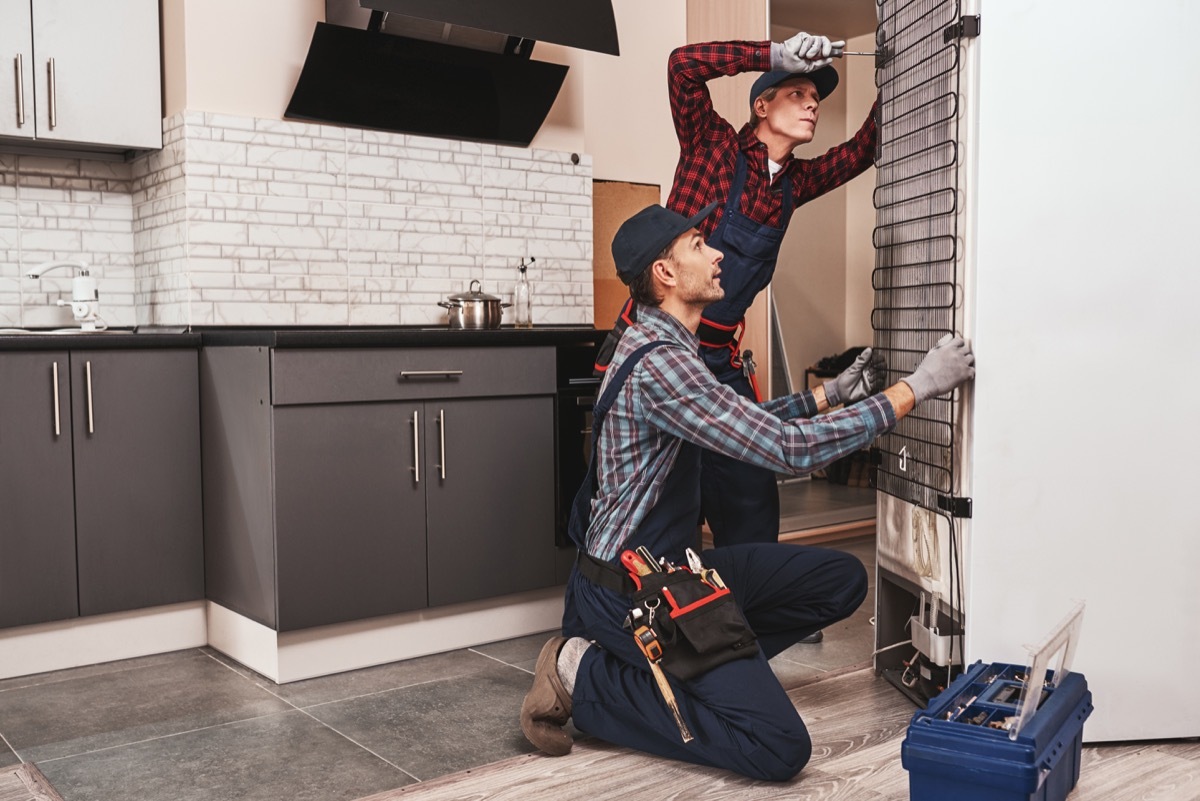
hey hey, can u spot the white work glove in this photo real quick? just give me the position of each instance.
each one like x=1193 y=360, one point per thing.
x=860 y=380
x=804 y=52
x=948 y=364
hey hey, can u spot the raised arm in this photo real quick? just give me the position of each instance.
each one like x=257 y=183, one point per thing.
x=688 y=71
x=815 y=177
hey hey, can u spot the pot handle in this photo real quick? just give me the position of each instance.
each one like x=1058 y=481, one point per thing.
x=476 y=285
x=505 y=305
x=447 y=305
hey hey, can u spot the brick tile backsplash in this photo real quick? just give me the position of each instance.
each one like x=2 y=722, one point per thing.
x=241 y=221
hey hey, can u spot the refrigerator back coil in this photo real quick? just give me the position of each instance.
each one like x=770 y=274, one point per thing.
x=916 y=240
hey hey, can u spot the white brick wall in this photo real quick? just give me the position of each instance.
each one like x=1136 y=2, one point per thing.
x=238 y=221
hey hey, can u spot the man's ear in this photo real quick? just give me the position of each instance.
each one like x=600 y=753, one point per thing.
x=664 y=272
x=760 y=107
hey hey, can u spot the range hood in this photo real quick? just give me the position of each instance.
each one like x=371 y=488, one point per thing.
x=457 y=70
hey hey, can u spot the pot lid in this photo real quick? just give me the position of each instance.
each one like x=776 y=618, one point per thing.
x=476 y=293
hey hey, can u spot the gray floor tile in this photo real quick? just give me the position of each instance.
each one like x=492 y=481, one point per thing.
x=368 y=681
x=96 y=711
x=520 y=652
x=70 y=674
x=284 y=756
x=441 y=727
x=7 y=757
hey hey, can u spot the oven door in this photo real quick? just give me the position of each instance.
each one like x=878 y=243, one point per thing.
x=573 y=449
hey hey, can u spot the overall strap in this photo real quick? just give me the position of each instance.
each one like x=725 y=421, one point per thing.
x=609 y=396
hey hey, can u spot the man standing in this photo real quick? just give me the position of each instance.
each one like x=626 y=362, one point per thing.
x=659 y=405
x=757 y=183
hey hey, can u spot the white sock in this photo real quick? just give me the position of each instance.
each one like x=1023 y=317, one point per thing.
x=568 y=661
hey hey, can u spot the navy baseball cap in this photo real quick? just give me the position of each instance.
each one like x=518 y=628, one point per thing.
x=643 y=236
x=825 y=79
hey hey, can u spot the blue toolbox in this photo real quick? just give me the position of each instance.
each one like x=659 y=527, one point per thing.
x=985 y=739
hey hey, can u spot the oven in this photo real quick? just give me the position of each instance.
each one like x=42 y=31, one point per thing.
x=575 y=396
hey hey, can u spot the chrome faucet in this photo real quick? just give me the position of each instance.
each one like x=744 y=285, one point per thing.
x=85 y=297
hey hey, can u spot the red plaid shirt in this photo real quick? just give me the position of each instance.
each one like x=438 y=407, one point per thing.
x=708 y=145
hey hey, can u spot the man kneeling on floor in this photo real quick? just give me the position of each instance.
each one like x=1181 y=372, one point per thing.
x=659 y=405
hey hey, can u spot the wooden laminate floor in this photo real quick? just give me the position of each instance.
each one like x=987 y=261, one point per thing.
x=857 y=724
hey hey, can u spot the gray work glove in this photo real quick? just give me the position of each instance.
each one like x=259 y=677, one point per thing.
x=804 y=52
x=860 y=380
x=948 y=364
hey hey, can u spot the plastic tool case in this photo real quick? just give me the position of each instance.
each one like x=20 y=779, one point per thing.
x=985 y=739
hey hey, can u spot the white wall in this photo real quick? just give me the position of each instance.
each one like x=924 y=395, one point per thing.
x=239 y=58
x=823 y=279
x=1086 y=281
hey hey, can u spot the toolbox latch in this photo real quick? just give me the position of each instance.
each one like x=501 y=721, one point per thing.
x=967 y=27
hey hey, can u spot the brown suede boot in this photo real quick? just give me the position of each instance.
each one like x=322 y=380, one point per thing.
x=547 y=705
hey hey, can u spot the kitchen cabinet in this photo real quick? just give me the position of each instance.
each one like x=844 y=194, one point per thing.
x=398 y=478
x=99 y=482
x=82 y=74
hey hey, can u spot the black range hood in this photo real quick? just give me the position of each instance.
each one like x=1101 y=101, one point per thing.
x=392 y=83
x=586 y=24
x=435 y=79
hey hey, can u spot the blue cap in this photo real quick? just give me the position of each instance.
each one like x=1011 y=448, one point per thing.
x=825 y=79
x=643 y=236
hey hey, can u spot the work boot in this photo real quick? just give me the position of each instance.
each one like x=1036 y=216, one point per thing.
x=815 y=637
x=547 y=705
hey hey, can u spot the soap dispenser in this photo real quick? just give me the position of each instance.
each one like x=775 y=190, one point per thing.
x=522 y=307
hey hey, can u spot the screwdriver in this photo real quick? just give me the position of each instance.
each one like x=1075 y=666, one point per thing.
x=838 y=52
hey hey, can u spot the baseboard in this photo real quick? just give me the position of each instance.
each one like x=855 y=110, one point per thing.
x=101 y=638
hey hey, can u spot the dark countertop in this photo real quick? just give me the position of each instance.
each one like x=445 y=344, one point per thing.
x=400 y=336
x=111 y=339
x=314 y=337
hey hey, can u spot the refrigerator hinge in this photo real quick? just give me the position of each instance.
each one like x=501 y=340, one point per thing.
x=967 y=27
x=955 y=507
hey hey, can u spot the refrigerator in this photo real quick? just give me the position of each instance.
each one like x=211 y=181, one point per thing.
x=1036 y=194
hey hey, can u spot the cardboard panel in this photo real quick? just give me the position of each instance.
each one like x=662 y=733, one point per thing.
x=613 y=202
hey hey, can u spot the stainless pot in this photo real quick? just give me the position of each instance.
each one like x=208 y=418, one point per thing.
x=474 y=309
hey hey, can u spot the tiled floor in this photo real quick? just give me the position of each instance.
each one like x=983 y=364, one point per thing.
x=194 y=726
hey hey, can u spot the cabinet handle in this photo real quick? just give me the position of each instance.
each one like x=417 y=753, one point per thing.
x=429 y=373
x=19 y=64
x=53 y=95
x=91 y=422
x=442 y=437
x=57 y=419
x=416 y=468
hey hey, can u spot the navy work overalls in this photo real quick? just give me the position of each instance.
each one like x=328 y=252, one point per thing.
x=740 y=501
x=740 y=715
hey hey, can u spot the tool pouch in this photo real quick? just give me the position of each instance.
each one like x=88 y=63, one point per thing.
x=698 y=625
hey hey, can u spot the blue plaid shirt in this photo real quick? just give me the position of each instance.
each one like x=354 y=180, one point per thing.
x=671 y=396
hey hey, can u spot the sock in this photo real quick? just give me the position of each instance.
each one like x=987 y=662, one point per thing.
x=568 y=661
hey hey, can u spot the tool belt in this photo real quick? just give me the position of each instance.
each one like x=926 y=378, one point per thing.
x=682 y=618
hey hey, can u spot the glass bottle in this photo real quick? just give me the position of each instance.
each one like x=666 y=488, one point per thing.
x=522 y=307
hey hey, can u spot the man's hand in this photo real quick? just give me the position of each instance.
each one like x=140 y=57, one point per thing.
x=860 y=380
x=804 y=52
x=949 y=364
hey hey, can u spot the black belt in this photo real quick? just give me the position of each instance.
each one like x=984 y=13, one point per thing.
x=712 y=336
x=606 y=574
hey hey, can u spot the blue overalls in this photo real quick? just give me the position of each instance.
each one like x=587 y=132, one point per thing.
x=740 y=501
x=740 y=715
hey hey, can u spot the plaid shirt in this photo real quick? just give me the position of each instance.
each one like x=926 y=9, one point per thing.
x=671 y=397
x=708 y=145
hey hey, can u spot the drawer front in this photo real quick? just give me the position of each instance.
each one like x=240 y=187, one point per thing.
x=338 y=375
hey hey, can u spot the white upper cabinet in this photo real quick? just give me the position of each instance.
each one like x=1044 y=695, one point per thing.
x=81 y=74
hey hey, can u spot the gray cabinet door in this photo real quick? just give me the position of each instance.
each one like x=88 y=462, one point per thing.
x=350 y=512
x=37 y=512
x=491 y=517
x=136 y=421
